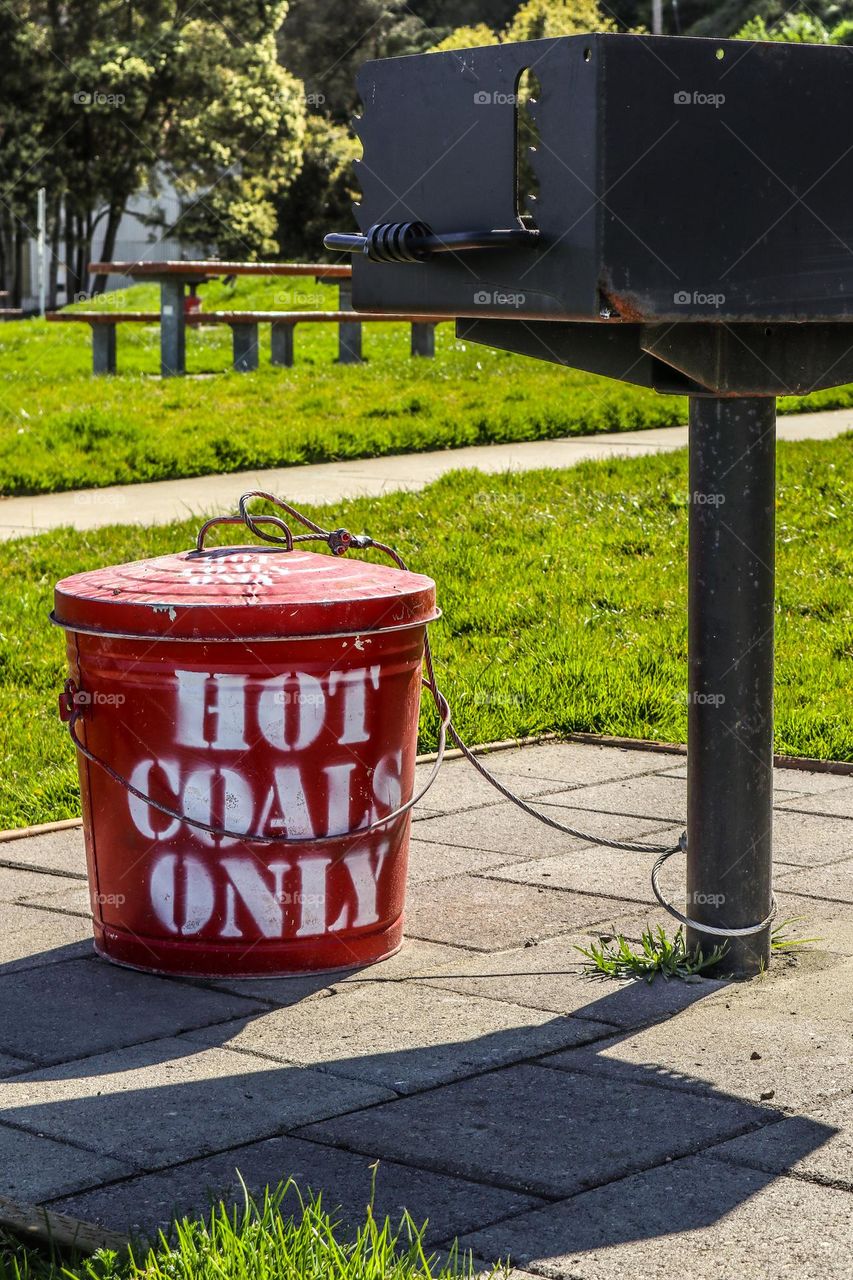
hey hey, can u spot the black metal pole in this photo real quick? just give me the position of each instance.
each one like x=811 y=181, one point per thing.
x=730 y=640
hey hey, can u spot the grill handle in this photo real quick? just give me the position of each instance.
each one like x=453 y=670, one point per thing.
x=414 y=241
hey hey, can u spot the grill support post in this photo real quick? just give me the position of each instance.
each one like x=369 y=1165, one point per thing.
x=730 y=687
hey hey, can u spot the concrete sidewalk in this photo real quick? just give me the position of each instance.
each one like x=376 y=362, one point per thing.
x=168 y=500
x=589 y=1129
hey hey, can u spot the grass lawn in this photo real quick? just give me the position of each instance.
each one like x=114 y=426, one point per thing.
x=564 y=598
x=279 y=1238
x=61 y=428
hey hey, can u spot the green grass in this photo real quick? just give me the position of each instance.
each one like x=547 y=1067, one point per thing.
x=61 y=428
x=657 y=955
x=564 y=598
x=660 y=956
x=268 y=1240
x=784 y=942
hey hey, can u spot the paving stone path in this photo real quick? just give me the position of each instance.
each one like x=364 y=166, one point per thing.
x=588 y=1129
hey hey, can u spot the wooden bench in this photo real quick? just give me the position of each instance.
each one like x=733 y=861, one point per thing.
x=244 y=331
x=10 y=313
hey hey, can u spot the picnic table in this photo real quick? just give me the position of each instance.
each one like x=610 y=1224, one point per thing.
x=175 y=278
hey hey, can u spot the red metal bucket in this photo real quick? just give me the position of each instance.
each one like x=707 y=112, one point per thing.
x=271 y=694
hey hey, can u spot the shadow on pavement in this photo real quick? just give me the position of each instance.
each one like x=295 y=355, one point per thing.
x=498 y=1131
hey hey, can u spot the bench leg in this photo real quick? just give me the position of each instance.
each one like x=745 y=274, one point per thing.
x=172 y=328
x=281 y=343
x=245 y=347
x=349 y=335
x=103 y=348
x=423 y=339
x=349 y=344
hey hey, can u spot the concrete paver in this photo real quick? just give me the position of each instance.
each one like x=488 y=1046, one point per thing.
x=837 y=800
x=165 y=500
x=33 y=1167
x=507 y=830
x=111 y=1007
x=153 y=1104
x=575 y=764
x=787 y=1045
x=548 y=1132
x=693 y=1217
x=652 y=797
x=830 y=924
x=17 y=885
x=10 y=1066
x=787 y=1147
x=833 y=882
x=550 y=976
x=808 y=840
x=609 y=873
x=458 y=786
x=802 y=782
x=61 y=851
x=434 y=860
x=414 y=958
x=30 y=938
x=521 y=1078
x=401 y=1035
x=147 y=1203
x=73 y=901
x=490 y=915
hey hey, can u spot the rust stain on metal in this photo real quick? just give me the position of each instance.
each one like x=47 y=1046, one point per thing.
x=626 y=306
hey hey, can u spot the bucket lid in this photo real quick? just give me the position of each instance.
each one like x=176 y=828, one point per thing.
x=241 y=593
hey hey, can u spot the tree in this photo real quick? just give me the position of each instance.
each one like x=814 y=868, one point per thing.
x=22 y=123
x=324 y=42
x=322 y=197
x=535 y=20
x=731 y=16
x=467 y=38
x=441 y=16
x=121 y=97
x=235 y=138
x=544 y=19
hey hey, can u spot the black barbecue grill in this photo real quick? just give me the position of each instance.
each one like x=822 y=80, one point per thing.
x=683 y=221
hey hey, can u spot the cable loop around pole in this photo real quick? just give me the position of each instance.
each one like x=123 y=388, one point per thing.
x=715 y=931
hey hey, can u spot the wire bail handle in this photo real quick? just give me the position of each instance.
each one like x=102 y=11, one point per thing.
x=287 y=538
